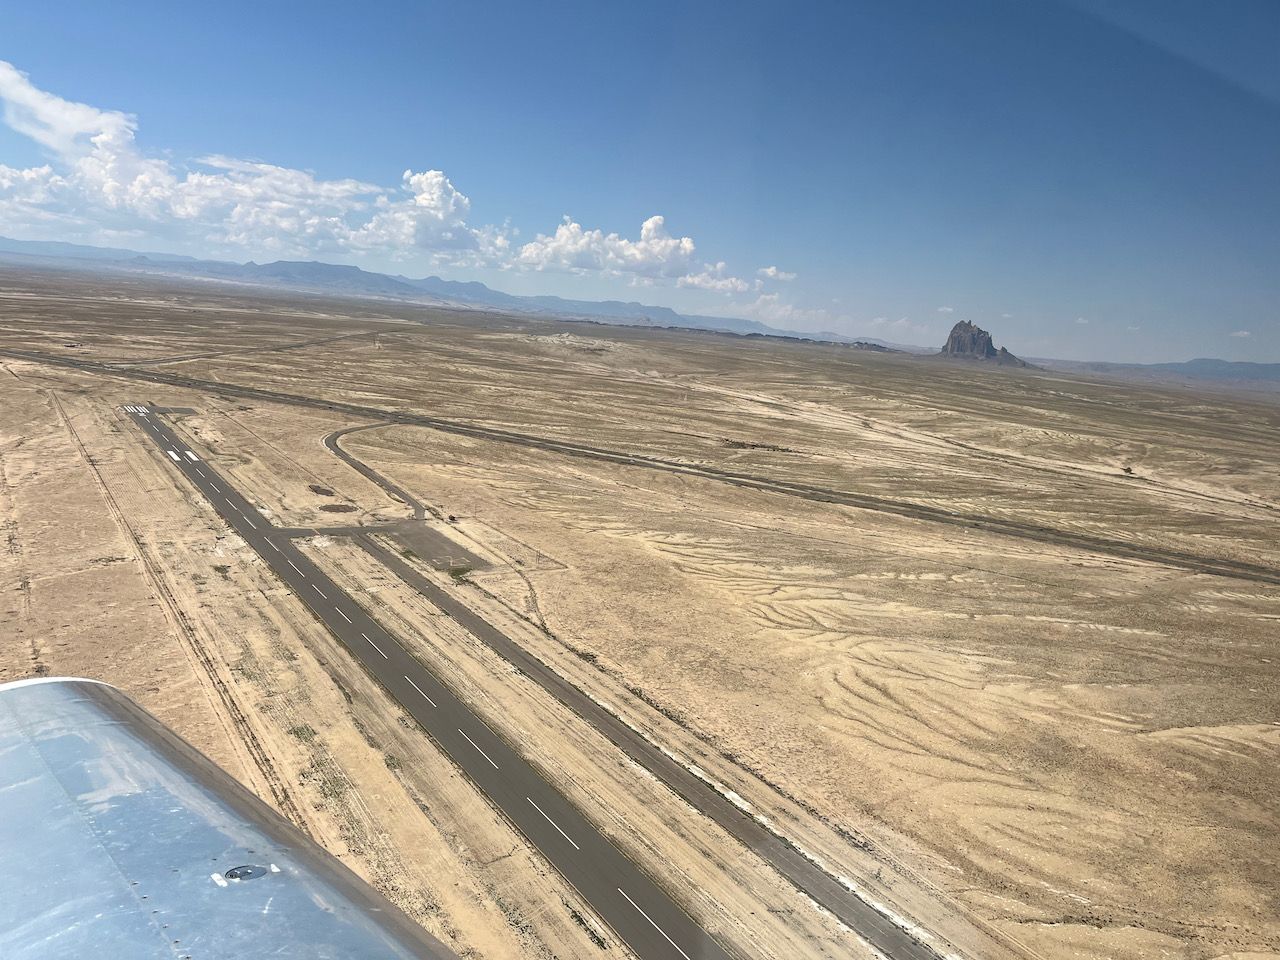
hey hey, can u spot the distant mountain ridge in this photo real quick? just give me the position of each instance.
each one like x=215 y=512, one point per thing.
x=55 y=248
x=345 y=279
x=1243 y=373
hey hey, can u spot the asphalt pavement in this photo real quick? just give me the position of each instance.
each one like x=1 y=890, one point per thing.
x=639 y=911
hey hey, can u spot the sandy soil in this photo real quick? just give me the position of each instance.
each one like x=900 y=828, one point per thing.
x=1072 y=752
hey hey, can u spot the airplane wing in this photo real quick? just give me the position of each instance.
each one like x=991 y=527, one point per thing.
x=119 y=839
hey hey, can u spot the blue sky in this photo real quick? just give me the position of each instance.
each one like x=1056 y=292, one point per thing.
x=1093 y=180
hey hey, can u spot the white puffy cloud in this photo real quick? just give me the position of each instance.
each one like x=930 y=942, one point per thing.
x=946 y=310
x=98 y=176
x=575 y=249
x=1240 y=333
x=98 y=183
x=773 y=273
x=772 y=309
x=716 y=277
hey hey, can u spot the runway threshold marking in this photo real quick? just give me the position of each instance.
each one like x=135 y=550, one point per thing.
x=554 y=824
x=378 y=648
x=478 y=747
x=655 y=926
x=419 y=689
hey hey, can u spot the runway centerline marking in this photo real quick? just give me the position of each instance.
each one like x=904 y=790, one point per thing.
x=375 y=646
x=318 y=590
x=556 y=825
x=294 y=565
x=419 y=689
x=478 y=747
x=343 y=615
x=655 y=926
x=273 y=546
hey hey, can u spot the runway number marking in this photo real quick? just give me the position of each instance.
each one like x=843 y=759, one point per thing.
x=655 y=926
x=477 y=746
x=375 y=646
x=419 y=689
x=557 y=826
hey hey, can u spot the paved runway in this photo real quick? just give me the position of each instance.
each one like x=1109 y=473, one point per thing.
x=637 y=909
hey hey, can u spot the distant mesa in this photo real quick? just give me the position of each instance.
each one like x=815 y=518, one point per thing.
x=968 y=341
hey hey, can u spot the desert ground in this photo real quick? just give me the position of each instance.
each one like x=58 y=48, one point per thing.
x=1000 y=649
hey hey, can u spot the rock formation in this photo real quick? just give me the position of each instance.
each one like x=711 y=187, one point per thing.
x=970 y=342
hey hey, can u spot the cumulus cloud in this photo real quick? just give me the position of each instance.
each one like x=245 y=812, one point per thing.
x=773 y=273
x=99 y=176
x=1241 y=334
x=100 y=183
x=770 y=308
x=716 y=277
x=575 y=249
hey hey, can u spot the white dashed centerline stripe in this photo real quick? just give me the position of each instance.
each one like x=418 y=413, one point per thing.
x=420 y=690
x=199 y=471
x=477 y=746
x=343 y=615
x=294 y=565
x=655 y=926
x=318 y=590
x=374 y=645
x=556 y=825
x=273 y=546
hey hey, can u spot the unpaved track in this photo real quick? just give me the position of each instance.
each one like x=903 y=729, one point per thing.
x=1213 y=566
